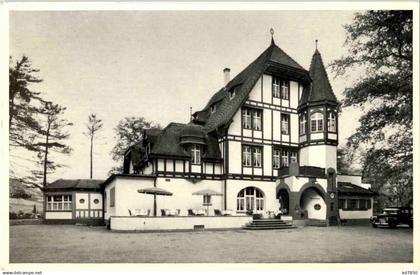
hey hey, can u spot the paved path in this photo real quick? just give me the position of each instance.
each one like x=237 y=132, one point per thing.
x=81 y=244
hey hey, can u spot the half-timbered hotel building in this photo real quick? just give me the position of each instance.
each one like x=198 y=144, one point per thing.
x=266 y=141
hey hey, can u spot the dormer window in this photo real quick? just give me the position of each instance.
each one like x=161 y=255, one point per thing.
x=195 y=154
x=213 y=108
x=232 y=94
x=280 y=88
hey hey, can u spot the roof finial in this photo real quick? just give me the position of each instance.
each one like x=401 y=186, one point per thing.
x=191 y=116
x=272 y=35
x=316 y=44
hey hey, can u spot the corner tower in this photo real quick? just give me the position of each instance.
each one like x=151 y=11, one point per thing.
x=318 y=119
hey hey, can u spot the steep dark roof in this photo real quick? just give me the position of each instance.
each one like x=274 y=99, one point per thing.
x=243 y=84
x=320 y=89
x=347 y=188
x=168 y=142
x=74 y=184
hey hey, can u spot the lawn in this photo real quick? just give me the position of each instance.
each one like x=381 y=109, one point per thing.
x=82 y=244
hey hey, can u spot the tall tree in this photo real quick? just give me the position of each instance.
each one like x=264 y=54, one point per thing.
x=93 y=126
x=380 y=42
x=23 y=102
x=53 y=134
x=128 y=131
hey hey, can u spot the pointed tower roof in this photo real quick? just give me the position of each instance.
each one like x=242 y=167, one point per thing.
x=272 y=58
x=320 y=89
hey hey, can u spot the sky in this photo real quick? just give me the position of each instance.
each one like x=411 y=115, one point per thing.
x=158 y=64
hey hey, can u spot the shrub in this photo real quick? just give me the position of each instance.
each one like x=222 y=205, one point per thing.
x=12 y=216
x=27 y=216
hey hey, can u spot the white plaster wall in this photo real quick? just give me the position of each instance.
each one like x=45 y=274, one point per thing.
x=179 y=166
x=255 y=93
x=178 y=223
x=94 y=196
x=58 y=215
x=296 y=183
x=235 y=157
x=183 y=198
x=148 y=170
x=359 y=214
x=267 y=124
x=160 y=165
x=235 y=126
x=294 y=128
x=80 y=196
x=294 y=94
x=268 y=167
x=276 y=125
x=127 y=197
x=309 y=199
x=195 y=168
x=267 y=93
x=267 y=187
x=285 y=103
x=324 y=156
x=109 y=211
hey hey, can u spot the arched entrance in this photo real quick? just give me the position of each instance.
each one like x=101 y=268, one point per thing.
x=284 y=200
x=313 y=204
x=250 y=199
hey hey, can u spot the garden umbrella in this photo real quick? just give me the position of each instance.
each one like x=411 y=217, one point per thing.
x=207 y=192
x=155 y=191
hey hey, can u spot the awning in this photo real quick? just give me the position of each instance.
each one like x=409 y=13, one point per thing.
x=155 y=191
x=207 y=192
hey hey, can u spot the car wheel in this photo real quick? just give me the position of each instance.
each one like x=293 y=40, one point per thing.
x=374 y=225
x=392 y=225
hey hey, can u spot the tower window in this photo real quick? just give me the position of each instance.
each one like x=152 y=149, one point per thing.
x=302 y=124
x=195 y=154
x=293 y=157
x=285 y=119
x=332 y=123
x=317 y=122
x=231 y=93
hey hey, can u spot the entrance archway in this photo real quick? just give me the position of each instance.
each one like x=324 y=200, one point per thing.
x=313 y=204
x=284 y=200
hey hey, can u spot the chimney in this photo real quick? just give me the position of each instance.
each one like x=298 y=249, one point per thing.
x=226 y=74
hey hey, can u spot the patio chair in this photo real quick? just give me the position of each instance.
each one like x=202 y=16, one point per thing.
x=129 y=212
x=163 y=212
x=178 y=212
x=217 y=212
x=148 y=212
x=190 y=212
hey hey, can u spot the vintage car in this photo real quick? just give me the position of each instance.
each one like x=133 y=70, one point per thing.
x=393 y=216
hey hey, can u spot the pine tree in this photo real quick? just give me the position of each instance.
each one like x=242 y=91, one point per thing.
x=93 y=126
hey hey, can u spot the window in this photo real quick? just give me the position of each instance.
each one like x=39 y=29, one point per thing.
x=206 y=200
x=256 y=122
x=59 y=202
x=317 y=206
x=246 y=118
x=112 y=197
x=284 y=159
x=285 y=124
x=213 y=108
x=250 y=199
x=95 y=201
x=355 y=204
x=302 y=124
x=285 y=90
x=280 y=88
x=276 y=87
x=82 y=201
x=232 y=94
x=246 y=155
x=251 y=156
x=256 y=151
x=317 y=122
x=293 y=157
x=195 y=154
x=252 y=119
x=276 y=158
x=331 y=123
